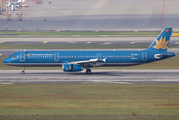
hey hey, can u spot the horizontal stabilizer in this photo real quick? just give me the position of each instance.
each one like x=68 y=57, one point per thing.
x=162 y=55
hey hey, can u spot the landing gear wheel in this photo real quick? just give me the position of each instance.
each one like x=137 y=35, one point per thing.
x=23 y=70
x=88 y=71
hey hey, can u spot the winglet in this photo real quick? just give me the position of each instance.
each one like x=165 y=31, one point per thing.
x=104 y=60
x=162 y=41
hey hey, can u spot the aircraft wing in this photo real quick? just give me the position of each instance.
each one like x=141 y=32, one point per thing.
x=90 y=62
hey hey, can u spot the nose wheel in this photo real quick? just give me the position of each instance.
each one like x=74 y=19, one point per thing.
x=23 y=70
x=88 y=71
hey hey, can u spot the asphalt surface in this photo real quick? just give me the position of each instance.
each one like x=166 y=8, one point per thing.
x=98 y=41
x=103 y=40
x=94 y=15
x=115 y=76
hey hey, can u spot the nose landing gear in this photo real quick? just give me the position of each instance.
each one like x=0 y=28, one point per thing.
x=23 y=70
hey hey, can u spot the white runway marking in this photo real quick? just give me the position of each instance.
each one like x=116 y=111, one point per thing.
x=6 y=83
x=117 y=82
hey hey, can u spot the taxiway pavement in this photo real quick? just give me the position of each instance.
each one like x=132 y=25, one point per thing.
x=79 y=40
x=107 y=76
x=94 y=15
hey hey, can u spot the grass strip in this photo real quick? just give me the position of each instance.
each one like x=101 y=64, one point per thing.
x=90 y=117
x=90 y=99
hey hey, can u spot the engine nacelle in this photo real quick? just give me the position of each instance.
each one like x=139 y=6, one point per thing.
x=72 y=67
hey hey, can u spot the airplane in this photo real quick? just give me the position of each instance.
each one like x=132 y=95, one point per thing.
x=73 y=61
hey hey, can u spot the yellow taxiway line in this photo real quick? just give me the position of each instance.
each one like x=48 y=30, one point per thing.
x=6 y=25
x=88 y=42
x=175 y=34
x=132 y=42
x=45 y=42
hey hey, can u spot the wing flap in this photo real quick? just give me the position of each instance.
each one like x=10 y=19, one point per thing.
x=90 y=61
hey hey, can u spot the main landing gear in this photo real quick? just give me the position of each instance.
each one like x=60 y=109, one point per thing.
x=23 y=70
x=88 y=71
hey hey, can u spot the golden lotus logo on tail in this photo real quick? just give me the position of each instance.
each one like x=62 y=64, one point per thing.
x=161 y=44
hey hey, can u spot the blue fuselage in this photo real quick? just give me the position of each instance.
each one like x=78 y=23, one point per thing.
x=57 y=58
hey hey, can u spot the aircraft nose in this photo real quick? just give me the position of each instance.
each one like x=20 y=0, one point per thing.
x=6 y=60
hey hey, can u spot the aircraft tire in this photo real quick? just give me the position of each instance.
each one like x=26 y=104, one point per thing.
x=88 y=71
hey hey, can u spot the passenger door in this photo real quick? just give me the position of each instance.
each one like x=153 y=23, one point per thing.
x=144 y=56
x=22 y=57
x=99 y=56
x=56 y=56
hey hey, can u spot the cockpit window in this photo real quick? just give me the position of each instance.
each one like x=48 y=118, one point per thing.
x=12 y=56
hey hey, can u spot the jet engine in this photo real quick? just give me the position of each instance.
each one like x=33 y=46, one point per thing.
x=72 y=67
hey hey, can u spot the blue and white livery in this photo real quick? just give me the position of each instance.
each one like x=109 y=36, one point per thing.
x=72 y=61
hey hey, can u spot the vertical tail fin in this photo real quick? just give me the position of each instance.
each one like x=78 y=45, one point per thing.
x=162 y=41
